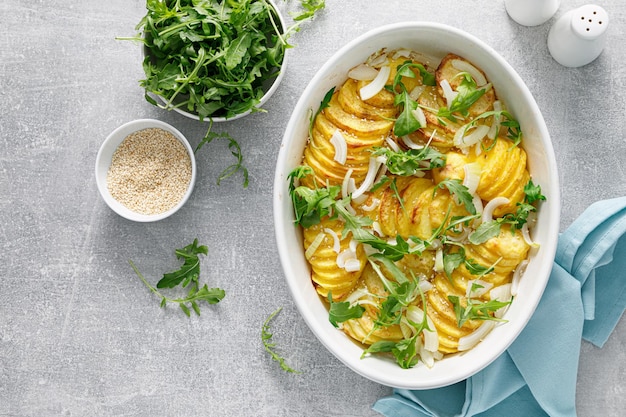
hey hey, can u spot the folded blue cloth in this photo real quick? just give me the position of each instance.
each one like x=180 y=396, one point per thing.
x=586 y=292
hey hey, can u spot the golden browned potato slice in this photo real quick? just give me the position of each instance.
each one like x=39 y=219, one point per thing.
x=448 y=71
x=325 y=273
x=350 y=100
x=351 y=123
x=503 y=174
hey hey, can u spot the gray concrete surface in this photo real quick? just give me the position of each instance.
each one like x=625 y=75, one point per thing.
x=79 y=333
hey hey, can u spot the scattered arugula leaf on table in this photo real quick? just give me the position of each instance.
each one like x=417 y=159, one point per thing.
x=269 y=346
x=187 y=275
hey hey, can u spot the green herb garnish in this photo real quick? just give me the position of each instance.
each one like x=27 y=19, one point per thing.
x=269 y=346
x=235 y=150
x=412 y=161
x=187 y=275
x=468 y=94
x=342 y=311
x=490 y=229
x=476 y=310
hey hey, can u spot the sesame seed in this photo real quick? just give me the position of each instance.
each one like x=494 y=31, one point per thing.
x=150 y=171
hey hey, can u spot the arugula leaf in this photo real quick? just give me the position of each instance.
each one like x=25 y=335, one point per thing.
x=462 y=194
x=533 y=193
x=235 y=150
x=310 y=205
x=189 y=271
x=266 y=338
x=468 y=94
x=405 y=351
x=342 y=311
x=187 y=274
x=476 y=310
x=412 y=161
x=407 y=121
x=323 y=104
x=487 y=230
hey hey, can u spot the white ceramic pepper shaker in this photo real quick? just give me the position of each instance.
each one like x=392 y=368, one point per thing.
x=531 y=12
x=578 y=37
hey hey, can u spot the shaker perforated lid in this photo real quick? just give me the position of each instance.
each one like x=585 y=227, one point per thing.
x=590 y=21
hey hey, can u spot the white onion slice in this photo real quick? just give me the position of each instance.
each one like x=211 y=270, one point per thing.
x=517 y=276
x=352 y=265
x=448 y=93
x=377 y=84
x=347 y=183
x=417 y=92
x=501 y=293
x=472 y=176
x=377 y=229
x=473 y=290
x=340 y=145
x=472 y=339
x=369 y=178
x=425 y=286
x=478 y=203
x=464 y=140
x=410 y=144
x=372 y=205
x=420 y=116
x=402 y=53
x=487 y=215
x=314 y=245
x=336 y=243
x=438 y=260
x=379 y=60
x=392 y=144
x=431 y=340
x=344 y=256
x=526 y=234
x=495 y=127
x=427 y=356
x=465 y=66
x=363 y=72
x=356 y=295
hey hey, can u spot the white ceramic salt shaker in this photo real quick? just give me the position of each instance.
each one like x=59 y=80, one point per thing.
x=578 y=37
x=531 y=12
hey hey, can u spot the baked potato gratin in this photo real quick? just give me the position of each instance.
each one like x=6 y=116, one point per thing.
x=415 y=202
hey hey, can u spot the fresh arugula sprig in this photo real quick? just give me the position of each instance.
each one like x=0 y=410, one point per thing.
x=310 y=205
x=187 y=275
x=468 y=94
x=401 y=290
x=452 y=260
x=475 y=309
x=487 y=230
x=266 y=338
x=323 y=104
x=513 y=128
x=407 y=121
x=402 y=293
x=309 y=9
x=341 y=311
x=405 y=351
x=412 y=161
x=460 y=192
x=235 y=150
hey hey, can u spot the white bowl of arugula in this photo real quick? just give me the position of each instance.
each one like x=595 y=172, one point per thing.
x=323 y=314
x=216 y=61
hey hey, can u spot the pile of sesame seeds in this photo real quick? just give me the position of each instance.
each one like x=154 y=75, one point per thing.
x=150 y=171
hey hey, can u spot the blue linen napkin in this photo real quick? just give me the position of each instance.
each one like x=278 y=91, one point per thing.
x=529 y=380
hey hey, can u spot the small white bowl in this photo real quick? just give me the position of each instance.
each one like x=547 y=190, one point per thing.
x=433 y=40
x=270 y=86
x=105 y=156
